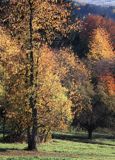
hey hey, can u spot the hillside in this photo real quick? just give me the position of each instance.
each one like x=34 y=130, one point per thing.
x=86 y=9
x=98 y=2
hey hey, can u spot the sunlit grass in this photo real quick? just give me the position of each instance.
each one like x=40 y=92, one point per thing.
x=12 y=146
x=81 y=149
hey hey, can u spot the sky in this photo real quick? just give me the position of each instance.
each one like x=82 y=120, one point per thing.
x=98 y=2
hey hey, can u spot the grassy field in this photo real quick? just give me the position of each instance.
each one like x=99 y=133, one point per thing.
x=73 y=147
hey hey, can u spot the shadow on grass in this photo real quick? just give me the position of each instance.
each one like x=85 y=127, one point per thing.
x=9 y=149
x=83 y=138
x=3 y=149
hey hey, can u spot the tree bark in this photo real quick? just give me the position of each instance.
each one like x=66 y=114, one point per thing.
x=32 y=132
x=90 y=131
x=4 y=123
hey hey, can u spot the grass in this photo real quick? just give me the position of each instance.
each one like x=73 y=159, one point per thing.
x=34 y=158
x=82 y=150
x=102 y=147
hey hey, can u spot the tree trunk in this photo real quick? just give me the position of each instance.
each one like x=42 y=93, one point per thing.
x=32 y=132
x=90 y=133
x=29 y=141
x=4 y=123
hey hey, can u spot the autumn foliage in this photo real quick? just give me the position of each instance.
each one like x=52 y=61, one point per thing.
x=44 y=88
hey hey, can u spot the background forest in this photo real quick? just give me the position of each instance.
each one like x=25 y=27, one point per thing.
x=57 y=71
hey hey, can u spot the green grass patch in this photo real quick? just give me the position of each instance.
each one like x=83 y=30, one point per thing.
x=38 y=158
x=72 y=148
x=85 y=151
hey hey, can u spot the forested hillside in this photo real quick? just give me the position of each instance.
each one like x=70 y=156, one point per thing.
x=84 y=10
x=98 y=2
x=57 y=72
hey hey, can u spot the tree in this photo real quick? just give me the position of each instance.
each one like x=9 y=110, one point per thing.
x=54 y=105
x=100 y=45
x=77 y=80
x=89 y=24
x=97 y=101
x=26 y=22
x=92 y=22
x=52 y=100
x=97 y=108
x=100 y=62
x=97 y=111
x=85 y=117
x=101 y=56
x=11 y=62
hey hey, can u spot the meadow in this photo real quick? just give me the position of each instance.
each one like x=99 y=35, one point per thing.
x=64 y=147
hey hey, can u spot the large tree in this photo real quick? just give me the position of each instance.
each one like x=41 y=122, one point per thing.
x=32 y=22
x=98 y=96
